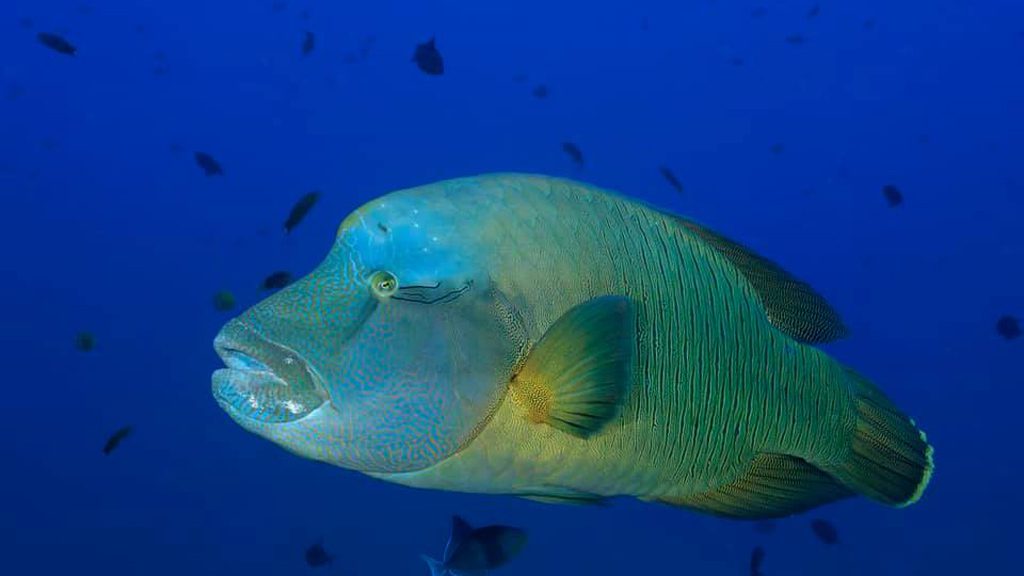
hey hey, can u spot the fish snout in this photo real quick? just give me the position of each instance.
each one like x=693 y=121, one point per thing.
x=262 y=380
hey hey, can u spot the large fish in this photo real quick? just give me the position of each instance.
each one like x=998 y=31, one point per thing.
x=525 y=335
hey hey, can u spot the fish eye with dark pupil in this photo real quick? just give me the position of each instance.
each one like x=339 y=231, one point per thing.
x=383 y=283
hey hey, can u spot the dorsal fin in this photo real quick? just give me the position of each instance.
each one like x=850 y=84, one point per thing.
x=460 y=531
x=791 y=304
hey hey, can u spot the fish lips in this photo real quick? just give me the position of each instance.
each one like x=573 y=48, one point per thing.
x=263 y=381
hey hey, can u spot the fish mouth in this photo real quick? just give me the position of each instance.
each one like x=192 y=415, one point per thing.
x=263 y=381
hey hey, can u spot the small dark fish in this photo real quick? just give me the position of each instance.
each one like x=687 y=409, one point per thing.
x=540 y=92
x=671 y=178
x=85 y=341
x=778 y=148
x=223 y=301
x=471 y=550
x=825 y=531
x=300 y=209
x=814 y=11
x=764 y=527
x=796 y=39
x=737 y=61
x=209 y=165
x=57 y=43
x=277 y=280
x=892 y=195
x=317 y=556
x=428 y=58
x=1008 y=327
x=574 y=152
x=756 y=560
x=115 y=439
x=308 y=43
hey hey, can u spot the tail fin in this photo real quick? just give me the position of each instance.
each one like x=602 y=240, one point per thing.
x=436 y=567
x=890 y=460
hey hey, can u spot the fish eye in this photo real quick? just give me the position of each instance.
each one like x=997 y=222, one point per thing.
x=383 y=283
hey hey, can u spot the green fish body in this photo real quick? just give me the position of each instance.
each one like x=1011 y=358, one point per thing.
x=525 y=335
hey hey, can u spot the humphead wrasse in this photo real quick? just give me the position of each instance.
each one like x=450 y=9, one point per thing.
x=526 y=335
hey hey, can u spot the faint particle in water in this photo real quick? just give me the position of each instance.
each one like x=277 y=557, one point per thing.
x=223 y=301
x=85 y=341
x=758 y=12
x=756 y=561
x=813 y=11
x=308 y=43
x=362 y=52
x=892 y=194
x=777 y=148
x=736 y=61
x=540 y=91
x=924 y=139
x=208 y=164
x=57 y=43
x=13 y=92
x=671 y=178
x=520 y=78
x=277 y=280
x=115 y=439
x=317 y=556
x=825 y=531
x=574 y=152
x=796 y=39
x=869 y=24
x=304 y=15
x=645 y=23
x=279 y=6
x=428 y=58
x=300 y=209
x=85 y=9
x=26 y=23
x=764 y=527
x=1008 y=327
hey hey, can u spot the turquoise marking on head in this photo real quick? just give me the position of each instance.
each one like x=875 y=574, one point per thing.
x=386 y=358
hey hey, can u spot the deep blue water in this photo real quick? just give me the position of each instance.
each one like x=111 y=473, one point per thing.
x=110 y=227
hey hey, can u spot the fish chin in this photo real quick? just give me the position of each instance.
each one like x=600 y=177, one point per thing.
x=261 y=397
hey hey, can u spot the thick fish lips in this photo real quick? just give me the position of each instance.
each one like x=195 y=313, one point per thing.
x=264 y=381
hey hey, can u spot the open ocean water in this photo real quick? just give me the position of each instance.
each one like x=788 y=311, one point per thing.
x=872 y=148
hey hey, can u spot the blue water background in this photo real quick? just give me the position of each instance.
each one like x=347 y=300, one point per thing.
x=110 y=227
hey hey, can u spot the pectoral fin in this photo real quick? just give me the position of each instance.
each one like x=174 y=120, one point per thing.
x=577 y=376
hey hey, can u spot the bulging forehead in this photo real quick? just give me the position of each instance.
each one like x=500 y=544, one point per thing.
x=416 y=230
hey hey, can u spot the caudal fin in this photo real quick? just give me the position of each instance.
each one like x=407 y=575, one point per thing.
x=890 y=460
x=436 y=567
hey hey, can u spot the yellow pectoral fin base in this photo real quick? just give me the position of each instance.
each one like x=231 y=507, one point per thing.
x=577 y=377
x=776 y=485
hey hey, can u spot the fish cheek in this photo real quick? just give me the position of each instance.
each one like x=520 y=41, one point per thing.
x=422 y=379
